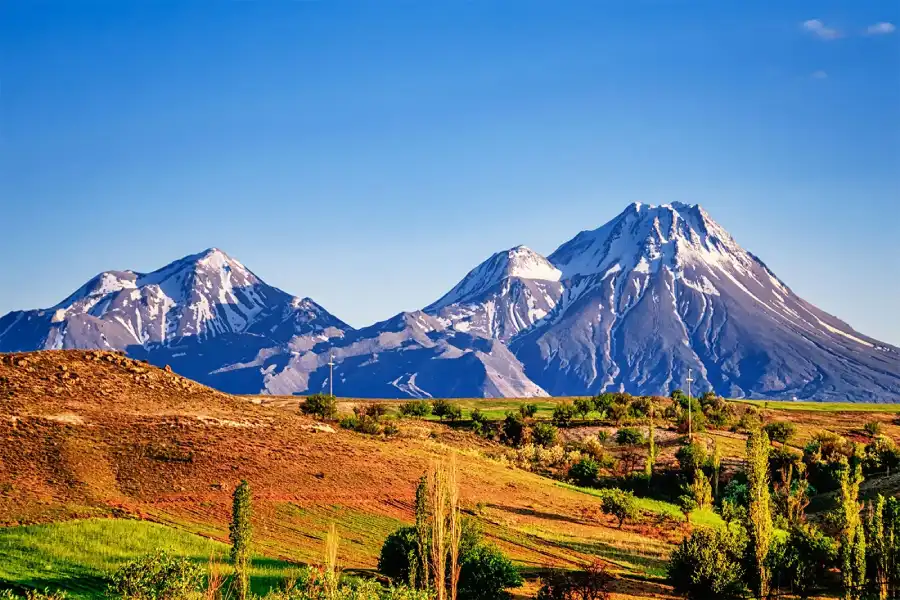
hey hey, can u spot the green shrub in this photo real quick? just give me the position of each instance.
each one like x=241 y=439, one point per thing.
x=563 y=413
x=158 y=577
x=583 y=407
x=640 y=407
x=780 y=431
x=323 y=406
x=544 y=434
x=513 y=429
x=528 y=410
x=618 y=503
x=881 y=454
x=486 y=574
x=603 y=402
x=584 y=472
x=398 y=553
x=371 y=410
x=873 y=428
x=709 y=564
x=440 y=407
x=453 y=413
x=629 y=436
x=415 y=408
x=618 y=412
x=485 y=571
x=802 y=561
x=691 y=457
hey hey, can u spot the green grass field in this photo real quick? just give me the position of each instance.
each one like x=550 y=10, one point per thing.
x=78 y=556
x=660 y=507
x=823 y=406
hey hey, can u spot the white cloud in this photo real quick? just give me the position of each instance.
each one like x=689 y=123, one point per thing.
x=820 y=30
x=883 y=28
x=819 y=75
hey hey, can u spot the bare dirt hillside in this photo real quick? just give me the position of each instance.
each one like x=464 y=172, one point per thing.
x=95 y=433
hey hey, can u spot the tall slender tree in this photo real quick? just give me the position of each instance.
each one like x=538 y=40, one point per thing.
x=759 y=524
x=241 y=533
x=332 y=573
x=878 y=549
x=423 y=536
x=717 y=466
x=852 y=536
x=651 y=444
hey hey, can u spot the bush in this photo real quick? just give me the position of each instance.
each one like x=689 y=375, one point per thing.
x=584 y=472
x=485 y=571
x=881 y=454
x=709 y=565
x=583 y=407
x=803 y=559
x=544 y=434
x=563 y=413
x=323 y=406
x=629 y=436
x=641 y=406
x=603 y=402
x=591 y=584
x=396 y=553
x=363 y=424
x=454 y=413
x=486 y=574
x=618 y=412
x=780 y=431
x=415 y=408
x=873 y=428
x=618 y=503
x=691 y=457
x=158 y=577
x=528 y=410
x=440 y=408
x=371 y=410
x=513 y=429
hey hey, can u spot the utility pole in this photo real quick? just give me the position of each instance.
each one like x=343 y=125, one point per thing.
x=690 y=380
x=331 y=374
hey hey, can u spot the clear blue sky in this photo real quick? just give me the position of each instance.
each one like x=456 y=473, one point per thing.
x=368 y=154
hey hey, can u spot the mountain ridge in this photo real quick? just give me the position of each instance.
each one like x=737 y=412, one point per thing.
x=630 y=306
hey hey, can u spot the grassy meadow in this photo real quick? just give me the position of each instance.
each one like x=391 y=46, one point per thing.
x=79 y=555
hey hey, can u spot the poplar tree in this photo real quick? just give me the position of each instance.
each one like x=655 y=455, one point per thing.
x=853 y=541
x=717 y=466
x=879 y=550
x=759 y=524
x=423 y=535
x=651 y=445
x=240 y=534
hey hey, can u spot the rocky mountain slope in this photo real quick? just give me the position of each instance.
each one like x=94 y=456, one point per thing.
x=629 y=306
x=661 y=289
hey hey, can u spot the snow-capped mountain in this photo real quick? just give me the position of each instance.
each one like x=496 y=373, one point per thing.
x=196 y=314
x=629 y=306
x=660 y=289
x=503 y=296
